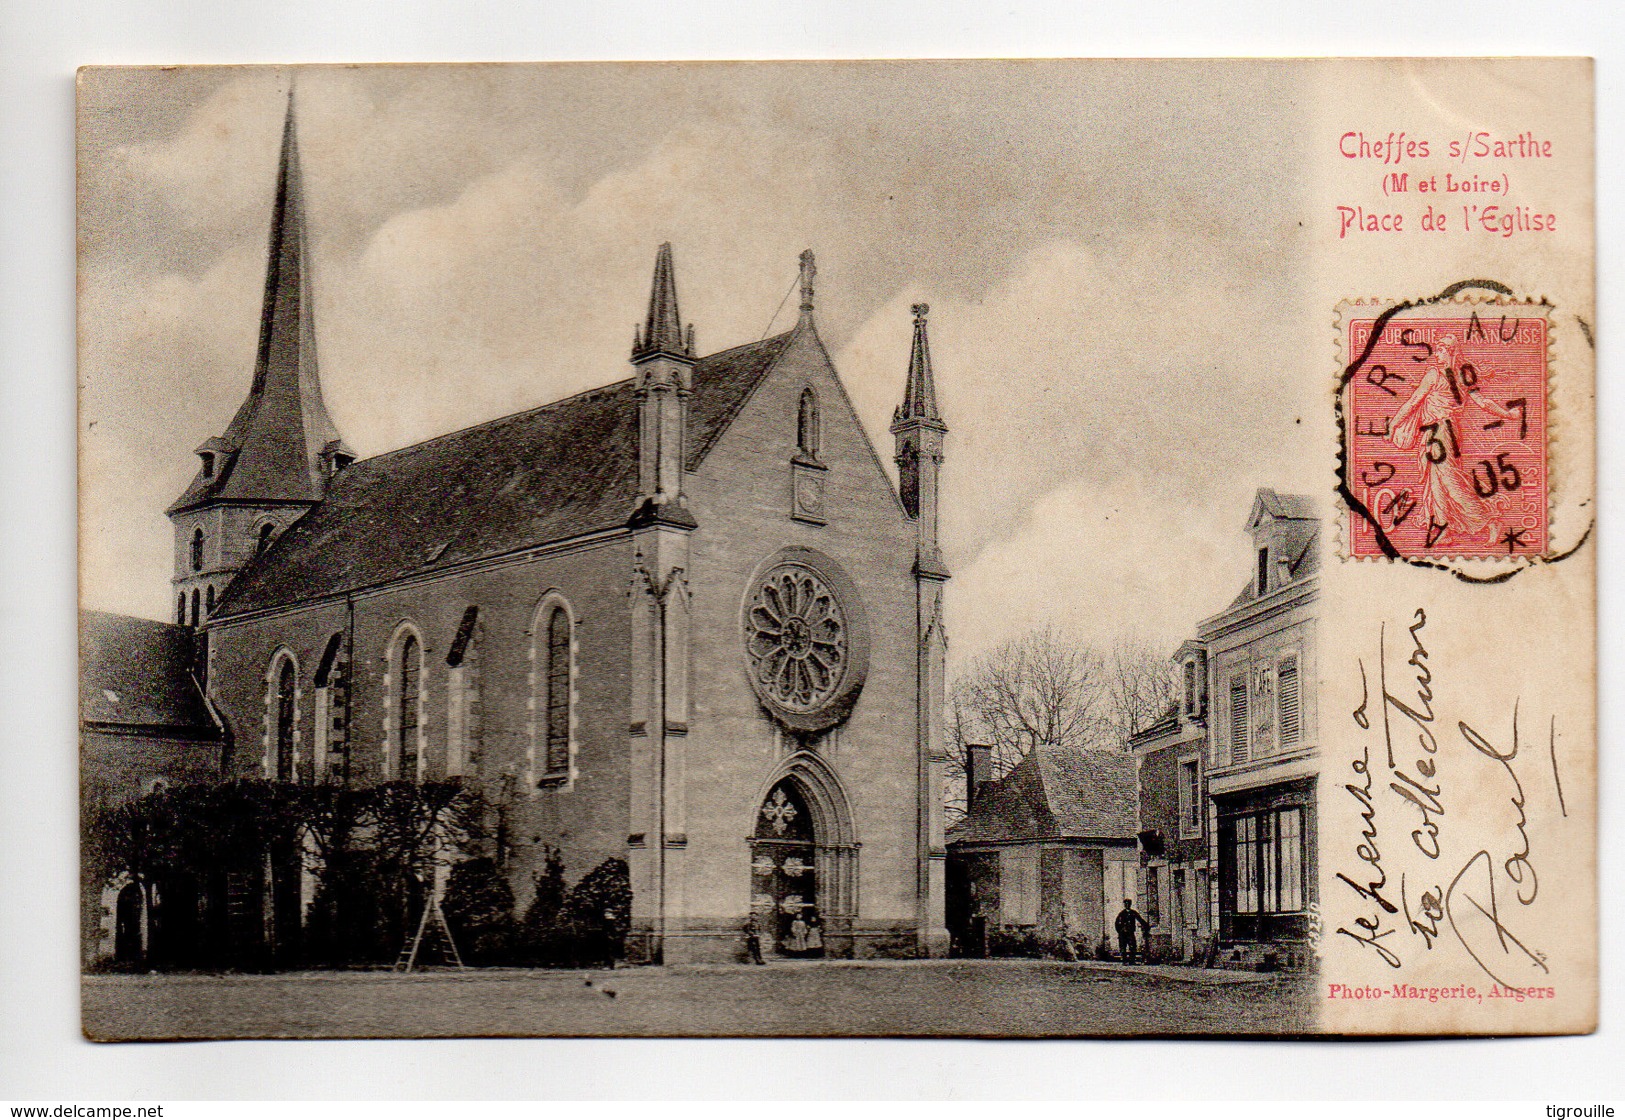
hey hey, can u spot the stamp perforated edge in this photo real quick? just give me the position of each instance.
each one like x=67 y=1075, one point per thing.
x=1443 y=303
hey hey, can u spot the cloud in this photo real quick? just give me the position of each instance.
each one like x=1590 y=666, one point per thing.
x=483 y=239
x=1106 y=562
x=1109 y=425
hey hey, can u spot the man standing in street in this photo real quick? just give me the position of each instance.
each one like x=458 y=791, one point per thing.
x=1127 y=943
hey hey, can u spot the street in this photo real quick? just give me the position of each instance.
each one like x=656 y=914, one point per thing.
x=876 y=998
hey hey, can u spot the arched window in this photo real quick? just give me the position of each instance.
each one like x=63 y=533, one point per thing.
x=180 y=609
x=197 y=550
x=267 y=533
x=283 y=748
x=807 y=424
x=195 y=618
x=406 y=712
x=329 y=754
x=208 y=602
x=558 y=692
x=465 y=724
x=551 y=683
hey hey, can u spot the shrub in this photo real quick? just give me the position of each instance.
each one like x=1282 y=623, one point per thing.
x=599 y=912
x=583 y=926
x=479 y=909
x=1013 y=941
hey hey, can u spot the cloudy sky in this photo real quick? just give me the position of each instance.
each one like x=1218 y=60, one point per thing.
x=1111 y=254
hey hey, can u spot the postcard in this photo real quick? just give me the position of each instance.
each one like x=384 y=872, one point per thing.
x=933 y=548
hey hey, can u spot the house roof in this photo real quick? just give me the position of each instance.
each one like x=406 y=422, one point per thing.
x=1056 y=792
x=1298 y=541
x=554 y=472
x=134 y=672
x=1295 y=507
x=1296 y=537
x=1168 y=721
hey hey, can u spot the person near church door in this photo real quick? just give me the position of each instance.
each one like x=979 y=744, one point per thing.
x=753 y=938
x=815 y=934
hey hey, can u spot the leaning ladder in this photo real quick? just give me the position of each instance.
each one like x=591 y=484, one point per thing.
x=431 y=924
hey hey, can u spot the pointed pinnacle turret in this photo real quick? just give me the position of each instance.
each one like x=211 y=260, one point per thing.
x=920 y=394
x=277 y=445
x=662 y=328
x=809 y=276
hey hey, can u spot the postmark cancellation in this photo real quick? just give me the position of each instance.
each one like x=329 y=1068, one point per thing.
x=1443 y=410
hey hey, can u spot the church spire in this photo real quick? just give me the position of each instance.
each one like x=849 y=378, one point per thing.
x=920 y=394
x=663 y=327
x=920 y=434
x=282 y=445
x=276 y=457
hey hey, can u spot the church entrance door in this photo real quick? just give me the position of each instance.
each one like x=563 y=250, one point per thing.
x=784 y=874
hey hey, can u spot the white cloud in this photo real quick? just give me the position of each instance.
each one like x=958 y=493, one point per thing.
x=465 y=268
x=1106 y=562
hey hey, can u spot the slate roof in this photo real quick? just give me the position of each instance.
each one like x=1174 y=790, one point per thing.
x=1080 y=793
x=272 y=449
x=136 y=673
x=1297 y=531
x=1298 y=507
x=1166 y=722
x=554 y=472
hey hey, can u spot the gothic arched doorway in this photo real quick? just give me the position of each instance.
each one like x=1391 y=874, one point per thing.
x=804 y=861
x=784 y=870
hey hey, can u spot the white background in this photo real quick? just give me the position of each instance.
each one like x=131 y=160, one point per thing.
x=42 y=1056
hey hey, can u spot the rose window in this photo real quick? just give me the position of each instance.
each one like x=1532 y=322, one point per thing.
x=796 y=638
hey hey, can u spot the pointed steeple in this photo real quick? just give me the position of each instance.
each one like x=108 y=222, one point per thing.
x=920 y=394
x=663 y=327
x=282 y=445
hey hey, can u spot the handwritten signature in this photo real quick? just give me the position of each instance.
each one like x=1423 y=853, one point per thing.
x=1472 y=905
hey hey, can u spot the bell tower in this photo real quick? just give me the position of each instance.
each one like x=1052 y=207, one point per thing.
x=920 y=434
x=275 y=459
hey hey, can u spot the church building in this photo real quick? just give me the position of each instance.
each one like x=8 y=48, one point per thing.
x=684 y=619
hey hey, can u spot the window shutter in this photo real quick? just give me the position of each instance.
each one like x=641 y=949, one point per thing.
x=1238 y=719
x=1287 y=698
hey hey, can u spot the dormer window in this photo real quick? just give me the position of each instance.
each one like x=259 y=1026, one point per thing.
x=1193 y=671
x=208 y=463
x=807 y=424
x=1263 y=570
x=335 y=457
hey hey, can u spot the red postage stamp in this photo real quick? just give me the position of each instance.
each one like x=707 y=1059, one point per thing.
x=1444 y=416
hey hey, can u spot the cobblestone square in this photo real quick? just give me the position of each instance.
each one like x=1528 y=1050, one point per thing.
x=943 y=998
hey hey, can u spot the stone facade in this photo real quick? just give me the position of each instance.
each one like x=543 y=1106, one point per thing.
x=750 y=613
x=1171 y=777
x=1263 y=762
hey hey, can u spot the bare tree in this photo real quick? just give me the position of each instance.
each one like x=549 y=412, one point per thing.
x=1042 y=687
x=1048 y=687
x=1141 y=684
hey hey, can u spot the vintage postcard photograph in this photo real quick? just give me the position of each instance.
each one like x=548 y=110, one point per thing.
x=972 y=549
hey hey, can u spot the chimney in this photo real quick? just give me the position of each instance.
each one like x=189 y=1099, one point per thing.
x=978 y=771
